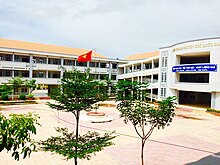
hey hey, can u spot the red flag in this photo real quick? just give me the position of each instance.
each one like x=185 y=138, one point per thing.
x=85 y=57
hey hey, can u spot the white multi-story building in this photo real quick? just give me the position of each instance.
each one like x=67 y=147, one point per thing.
x=44 y=62
x=192 y=70
x=142 y=68
x=188 y=70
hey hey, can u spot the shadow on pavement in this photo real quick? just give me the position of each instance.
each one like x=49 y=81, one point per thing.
x=213 y=159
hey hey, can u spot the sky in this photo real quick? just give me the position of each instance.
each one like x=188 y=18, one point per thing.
x=115 y=28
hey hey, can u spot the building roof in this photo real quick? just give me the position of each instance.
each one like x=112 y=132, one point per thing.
x=32 y=46
x=143 y=55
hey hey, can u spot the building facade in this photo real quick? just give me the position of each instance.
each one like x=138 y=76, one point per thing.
x=192 y=72
x=142 y=68
x=188 y=70
x=45 y=63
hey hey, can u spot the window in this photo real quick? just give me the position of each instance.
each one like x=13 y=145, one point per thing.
x=40 y=60
x=93 y=64
x=69 y=62
x=24 y=90
x=156 y=64
x=163 y=92
x=113 y=77
x=22 y=58
x=164 y=61
x=39 y=74
x=53 y=74
x=81 y=64
x=137 y=67
x=103 y=65
x=148 y=66
x=5 y=73
x=21 y=73
x=5 y=57
x=114 y=66
x=129 y=69
x=164 y=77
x=54 y=61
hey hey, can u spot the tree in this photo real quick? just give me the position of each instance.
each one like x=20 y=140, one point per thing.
x=15 y=134
x=77 y=92
x=4 y=90
x=143 y=116
x=15 y=82
x=31 y=84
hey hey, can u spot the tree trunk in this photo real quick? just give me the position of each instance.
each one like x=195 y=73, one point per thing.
x=142 y=151
x=77 y=134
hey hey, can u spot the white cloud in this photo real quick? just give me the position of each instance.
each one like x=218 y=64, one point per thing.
x=116 y=28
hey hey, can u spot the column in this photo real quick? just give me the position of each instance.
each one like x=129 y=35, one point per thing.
x=13 y=57
x=46 y=73
x=13 y=60
x=31 y=67
x=142 y=66
x=62 y=69
x=110 y=70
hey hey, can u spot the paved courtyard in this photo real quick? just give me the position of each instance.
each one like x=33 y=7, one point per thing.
x=193 y=138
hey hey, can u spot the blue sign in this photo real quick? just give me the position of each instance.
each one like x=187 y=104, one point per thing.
x=195 y=68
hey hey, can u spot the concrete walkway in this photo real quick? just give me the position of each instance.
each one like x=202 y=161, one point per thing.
x=193 y=138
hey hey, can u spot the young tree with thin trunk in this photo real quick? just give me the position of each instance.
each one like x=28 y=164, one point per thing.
x=15 y=134
x=143 y=116
x=77 y=92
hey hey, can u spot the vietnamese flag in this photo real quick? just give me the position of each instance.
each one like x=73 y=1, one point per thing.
x=85 y=57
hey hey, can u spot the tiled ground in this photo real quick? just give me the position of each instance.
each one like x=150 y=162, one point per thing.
x=193 y=138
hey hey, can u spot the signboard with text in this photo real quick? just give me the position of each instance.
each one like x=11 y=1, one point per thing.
x=195 y=68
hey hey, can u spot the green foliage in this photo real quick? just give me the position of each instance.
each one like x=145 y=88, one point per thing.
x=30 y=95
x=87 y=144
x=22 y=97
x=78 y=91
x=127 y=90
x=5 y=90
x=16 y=82
x=140 y=113
x=213 y=110
x=144 y=117
x=5 y=97
x=15 y=134
x=31 y=84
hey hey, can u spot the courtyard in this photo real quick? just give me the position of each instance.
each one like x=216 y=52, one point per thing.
x=192 y=138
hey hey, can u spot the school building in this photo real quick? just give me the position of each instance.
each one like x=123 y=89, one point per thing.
x=188 y=70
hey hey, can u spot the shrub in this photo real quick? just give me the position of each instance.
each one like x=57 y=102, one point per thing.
x=30 y=95
x=213 y=110
x=5 y=97
x=22 y=97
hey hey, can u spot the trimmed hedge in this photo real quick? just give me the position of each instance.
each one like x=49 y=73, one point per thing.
x=213 y=110
x=22 y=97
x=5 y=97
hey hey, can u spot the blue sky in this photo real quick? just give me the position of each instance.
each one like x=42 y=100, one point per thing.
x=116 y=28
